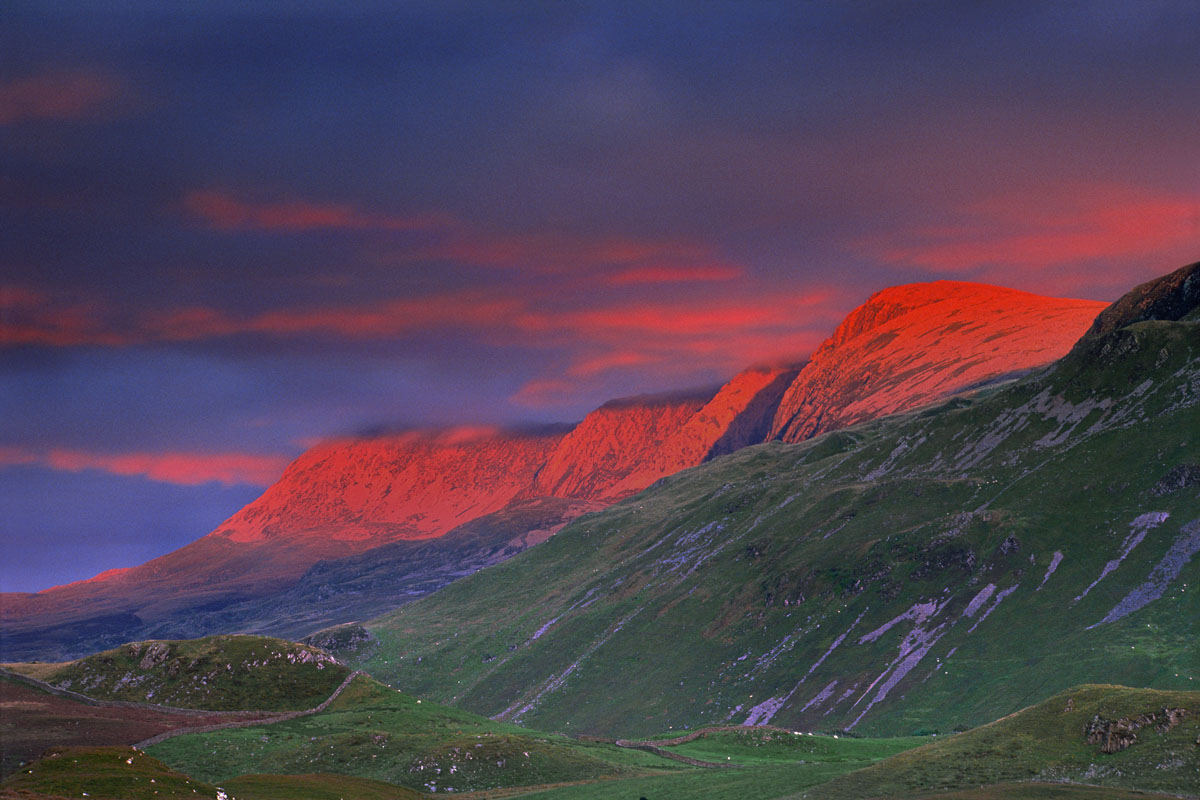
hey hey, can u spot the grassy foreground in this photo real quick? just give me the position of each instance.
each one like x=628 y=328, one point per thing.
x=374 y=732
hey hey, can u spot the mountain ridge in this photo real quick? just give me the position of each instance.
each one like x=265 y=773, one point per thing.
x=347 y=497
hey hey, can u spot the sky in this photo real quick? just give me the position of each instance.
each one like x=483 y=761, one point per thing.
x=229 y=230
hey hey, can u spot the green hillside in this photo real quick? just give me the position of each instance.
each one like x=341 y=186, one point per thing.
x=224 y=673
x=934 y=570
x=103 y=772
x=374 y=732
x=1047 y=742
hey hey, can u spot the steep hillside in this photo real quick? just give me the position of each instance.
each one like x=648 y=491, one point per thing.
x=913 y=344
x=1172 y=297
x=360 y=493
x=624 y=446
x=370 y=583
x=935 y=569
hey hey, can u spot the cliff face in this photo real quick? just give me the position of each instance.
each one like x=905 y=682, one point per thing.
x=910 y=345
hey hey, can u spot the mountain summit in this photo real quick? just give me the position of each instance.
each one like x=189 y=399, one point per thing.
x=916 y=343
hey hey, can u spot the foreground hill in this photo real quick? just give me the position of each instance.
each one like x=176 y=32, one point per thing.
x=217 y=673
x=935 y=569
x=375 y=732
x=36 y=718
x=346 y=499
x=1101 y=735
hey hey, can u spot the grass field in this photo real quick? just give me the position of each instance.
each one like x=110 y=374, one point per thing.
x=1046 y=742
x=374 y=732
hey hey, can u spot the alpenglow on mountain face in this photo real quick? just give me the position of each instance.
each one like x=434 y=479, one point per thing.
x=904 y=347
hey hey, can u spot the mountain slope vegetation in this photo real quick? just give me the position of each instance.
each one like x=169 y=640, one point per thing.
x=931 y=570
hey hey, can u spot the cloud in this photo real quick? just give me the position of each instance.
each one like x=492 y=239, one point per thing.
x=676 y=274
x=707 y=317
x=388 y=318
x=547 y=393
x=609 y=361
x=183 y=468
x=658 y=342
x=1060 y=227
x=60 y=95
x=224 y=211
x=29 y=316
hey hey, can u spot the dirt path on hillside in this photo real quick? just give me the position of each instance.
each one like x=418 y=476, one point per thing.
x=657 y=746
x=271 y=719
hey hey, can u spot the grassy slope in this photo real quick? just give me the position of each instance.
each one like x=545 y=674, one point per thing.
x=773 y=764
x=217 y=672
x=758 y=747
x=33 y=721
x=1045 y=742
x=725 y=585
x=374 y=732
x=315 y=787
x=105 y=772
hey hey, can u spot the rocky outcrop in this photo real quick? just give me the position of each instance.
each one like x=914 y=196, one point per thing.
x=914 y=344
x=1115 y=735
x=1171 y=297
x=1181 y=476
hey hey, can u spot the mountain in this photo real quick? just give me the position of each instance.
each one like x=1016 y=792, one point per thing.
x=914 y=344
x=307 y=553
x=625 y=445
x=354 y=494
x=939 y=568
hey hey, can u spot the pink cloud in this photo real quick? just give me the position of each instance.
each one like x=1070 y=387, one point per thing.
x=388 y=318
x=1063 y=226
x=224 y=211
x=184 y=468
x=62 y=95
x=676 y=274
x=28 y=316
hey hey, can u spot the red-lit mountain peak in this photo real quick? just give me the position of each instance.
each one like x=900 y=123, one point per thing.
x=606 y=456
x=405 y=486
x=912 y=344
